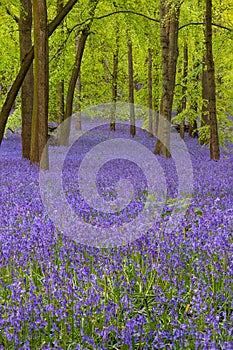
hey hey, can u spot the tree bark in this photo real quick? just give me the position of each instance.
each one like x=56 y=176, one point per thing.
x=25 y=65
x=39 y=151
x=169 y=23
x=25 y=39
x=131 y=88
x=214 y=141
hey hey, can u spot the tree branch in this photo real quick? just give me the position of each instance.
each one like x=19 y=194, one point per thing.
x=115 y=13
x=202 y=23
x=15 y=18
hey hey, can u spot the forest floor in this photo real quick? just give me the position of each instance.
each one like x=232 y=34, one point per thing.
x=168 y=289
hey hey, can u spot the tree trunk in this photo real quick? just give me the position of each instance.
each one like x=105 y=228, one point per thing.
x=114 y=83
x=214 y=142
x=39 y=151
x=65 y=129
x=131 y=88
x=78 y=123
x=205 y=98
x=25 y=39
x=169 y=23
x=150 y=92
x=184 y=89
x=61 y=84
x=25 y=65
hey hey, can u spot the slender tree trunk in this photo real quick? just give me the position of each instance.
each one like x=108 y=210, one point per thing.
x=205 y=98
x=214 y=141
x=150 y=92
x=114 y=83
x=169 y=23
x=184 y=89
x=78 y=123
x=61 y=84
x=39 y=152
x=131 y=88
x=65 y=129
x=25 y=65
x=25 y=27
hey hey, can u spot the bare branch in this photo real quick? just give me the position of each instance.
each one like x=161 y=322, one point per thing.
x=15 y=18
x=115 y=13
x=202 y=23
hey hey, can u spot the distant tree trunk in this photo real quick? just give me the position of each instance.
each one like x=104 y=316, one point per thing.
x=106 y=69
x=61 y=84
x=114 y=82
x=25 y=38
x=25 y=65
x=40 y=105
x=169 y=23
x=214 y=141
x=184 y=89
x=131 y=88
x=65 y=130
x=150 y=92
x=205 y=98
x=193 y=132
x=78 y=122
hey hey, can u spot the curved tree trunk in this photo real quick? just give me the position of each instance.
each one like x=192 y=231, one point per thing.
x=25 y=27
x=214 y=142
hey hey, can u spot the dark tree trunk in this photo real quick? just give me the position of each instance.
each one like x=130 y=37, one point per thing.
x=25 y=65
x=214 y=141
x=39 y=152
x=169 y=23
x=131 y=88
x=25 y=38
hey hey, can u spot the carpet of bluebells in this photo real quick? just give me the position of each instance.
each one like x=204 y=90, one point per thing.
x=162 y=291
